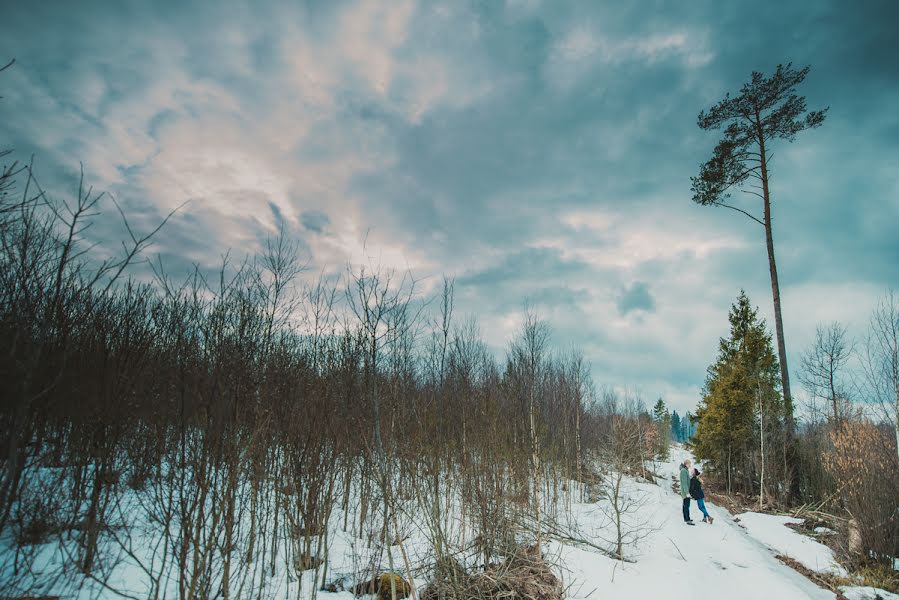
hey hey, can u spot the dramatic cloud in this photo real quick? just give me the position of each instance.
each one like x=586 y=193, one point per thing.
x=538 y=152
x=636 y=297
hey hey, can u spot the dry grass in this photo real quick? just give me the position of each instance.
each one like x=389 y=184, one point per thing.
x=824 y=580
x=734 y=504
x=880 y=576
x=382 y=587
x=525 y=576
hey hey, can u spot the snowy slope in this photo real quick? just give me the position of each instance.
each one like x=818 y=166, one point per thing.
x=772 y=531
x=867 y=593
x=679 y=561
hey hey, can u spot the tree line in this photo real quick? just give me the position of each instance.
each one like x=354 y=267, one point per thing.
x=207 y=430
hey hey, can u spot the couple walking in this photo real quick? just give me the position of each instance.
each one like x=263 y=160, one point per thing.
x=691 y=486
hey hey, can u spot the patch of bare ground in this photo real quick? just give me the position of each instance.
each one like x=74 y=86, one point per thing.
x=736 y=503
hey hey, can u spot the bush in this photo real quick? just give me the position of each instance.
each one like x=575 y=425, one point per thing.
x=525 y=574
x=864 y=464
x=381 y=586
x=36 y=525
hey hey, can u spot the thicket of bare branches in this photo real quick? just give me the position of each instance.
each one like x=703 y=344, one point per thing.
x=863 y=461
x=849 y=446
x=238 y=413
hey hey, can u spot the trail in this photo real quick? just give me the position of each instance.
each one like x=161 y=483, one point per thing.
x=679 y=561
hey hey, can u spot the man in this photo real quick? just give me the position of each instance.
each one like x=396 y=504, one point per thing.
x=685 y=490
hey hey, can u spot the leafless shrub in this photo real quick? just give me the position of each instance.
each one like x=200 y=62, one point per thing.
x=864 y=463
x=523 y=574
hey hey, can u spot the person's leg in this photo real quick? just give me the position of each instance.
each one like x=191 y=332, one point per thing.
x=686 y=509
x=701 y=504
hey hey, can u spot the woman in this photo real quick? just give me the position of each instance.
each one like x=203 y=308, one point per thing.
x=698 y=495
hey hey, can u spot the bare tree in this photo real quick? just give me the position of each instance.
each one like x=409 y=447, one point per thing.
x=880 y=360
x=822 y=366
x=527 y=358
x=622 y=452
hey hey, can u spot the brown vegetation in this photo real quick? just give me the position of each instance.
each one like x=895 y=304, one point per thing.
x=864 y=463
x=251 y=407
x=525 y=575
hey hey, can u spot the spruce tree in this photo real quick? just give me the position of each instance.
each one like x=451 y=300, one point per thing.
x=662 y=420
x=741 y=393
x=676 y=427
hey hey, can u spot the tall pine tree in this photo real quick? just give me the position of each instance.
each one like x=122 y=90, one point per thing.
x=766 y=109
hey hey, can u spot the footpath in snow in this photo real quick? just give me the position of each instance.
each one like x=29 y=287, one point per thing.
x=675 y=560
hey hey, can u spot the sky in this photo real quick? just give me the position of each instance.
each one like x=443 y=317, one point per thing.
x=537 y=152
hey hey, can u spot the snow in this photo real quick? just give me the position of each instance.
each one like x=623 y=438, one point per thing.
x=824 y=531
x=772 y=531
x=676 y=560
x=728 y=559
x=867 y=593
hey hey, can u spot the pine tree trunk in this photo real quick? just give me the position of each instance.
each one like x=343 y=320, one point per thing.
x=779 y=329
x=895 y=366
x=730 y=489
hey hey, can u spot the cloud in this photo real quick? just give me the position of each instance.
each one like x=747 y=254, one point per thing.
x=636 y=297
x=536 y=151
x=315 y=221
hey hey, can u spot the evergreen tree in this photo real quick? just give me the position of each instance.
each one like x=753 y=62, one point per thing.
x=676 y=427
x=662 y=420
x=741 y=413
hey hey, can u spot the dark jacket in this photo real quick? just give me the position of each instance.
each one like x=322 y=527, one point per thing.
x=696 y=489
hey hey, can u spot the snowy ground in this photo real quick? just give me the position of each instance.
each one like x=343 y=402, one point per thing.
x=678 y=561
x=728 y=559
x=722 y=560
x=772 y=531
x=867 y=593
